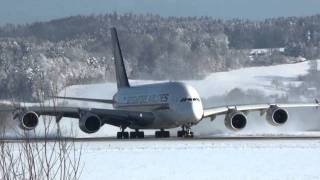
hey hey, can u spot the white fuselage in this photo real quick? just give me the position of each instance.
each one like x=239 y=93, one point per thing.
x=173 y=104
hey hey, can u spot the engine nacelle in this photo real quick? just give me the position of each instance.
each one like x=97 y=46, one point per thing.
x=276 y=116
x=90 y=123
x=235 y=120
x=27 y=121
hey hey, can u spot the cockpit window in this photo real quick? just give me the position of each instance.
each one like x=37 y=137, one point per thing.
x=189 y=99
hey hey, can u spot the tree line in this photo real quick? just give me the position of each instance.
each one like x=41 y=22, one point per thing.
x=77 y=49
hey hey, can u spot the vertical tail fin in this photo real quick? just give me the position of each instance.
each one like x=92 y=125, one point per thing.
x=121 y=75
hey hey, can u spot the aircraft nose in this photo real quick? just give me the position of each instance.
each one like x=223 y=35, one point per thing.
x=194 y=112
x=197 y=111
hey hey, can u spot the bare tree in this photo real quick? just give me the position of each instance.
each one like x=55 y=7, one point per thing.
x=36 y=157
x=39 y=155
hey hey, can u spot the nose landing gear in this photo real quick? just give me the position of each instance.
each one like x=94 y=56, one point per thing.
x=185 y=132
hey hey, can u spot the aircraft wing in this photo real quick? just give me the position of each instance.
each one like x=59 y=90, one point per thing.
x=214 y=111
x=109 y=116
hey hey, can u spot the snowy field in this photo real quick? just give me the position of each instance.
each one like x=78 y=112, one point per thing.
x=208 y=159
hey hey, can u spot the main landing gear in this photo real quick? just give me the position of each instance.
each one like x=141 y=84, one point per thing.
x=123 y=134
x=162 y=134
x=133 y=135
x=137 y=134
x=185 y=132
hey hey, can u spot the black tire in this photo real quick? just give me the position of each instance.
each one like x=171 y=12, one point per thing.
x=166 y=134
x=181 y=134
x=133 y=135
x=119 y=135
x=140 y=135
x=158 y=134
x=125 y=135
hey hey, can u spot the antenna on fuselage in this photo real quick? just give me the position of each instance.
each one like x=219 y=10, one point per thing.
x=121 y=75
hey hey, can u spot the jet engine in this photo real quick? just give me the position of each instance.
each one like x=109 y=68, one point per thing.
x=277 y=116
x=27 y=120
x=90 y=123
x=235 y=120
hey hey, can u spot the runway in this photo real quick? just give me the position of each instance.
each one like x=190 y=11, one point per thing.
x=152 y=138
x=205 y=157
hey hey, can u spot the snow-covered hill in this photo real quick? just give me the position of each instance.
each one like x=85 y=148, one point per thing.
x=215 y=84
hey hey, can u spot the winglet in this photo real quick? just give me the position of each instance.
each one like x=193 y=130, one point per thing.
x=121 y=75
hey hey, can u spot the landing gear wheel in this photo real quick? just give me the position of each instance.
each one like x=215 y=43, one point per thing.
x=140 y=134
x=122 y=135
x=133 y=135
x=125 y=135
x=181 y=133
x=162 y=134
x=158 y=134
x=166 y=134
x=119 y=135
x=136 y=134
x=189 y=135
x=185 y=132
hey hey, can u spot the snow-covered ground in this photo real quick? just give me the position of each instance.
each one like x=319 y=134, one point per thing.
x=230 y=159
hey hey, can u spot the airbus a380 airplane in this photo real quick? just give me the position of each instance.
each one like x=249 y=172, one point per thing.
x=155 y=106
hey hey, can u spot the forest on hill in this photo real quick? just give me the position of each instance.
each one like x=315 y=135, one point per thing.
x=77 y=49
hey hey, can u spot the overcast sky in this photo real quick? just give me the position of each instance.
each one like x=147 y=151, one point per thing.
x=26 y=11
